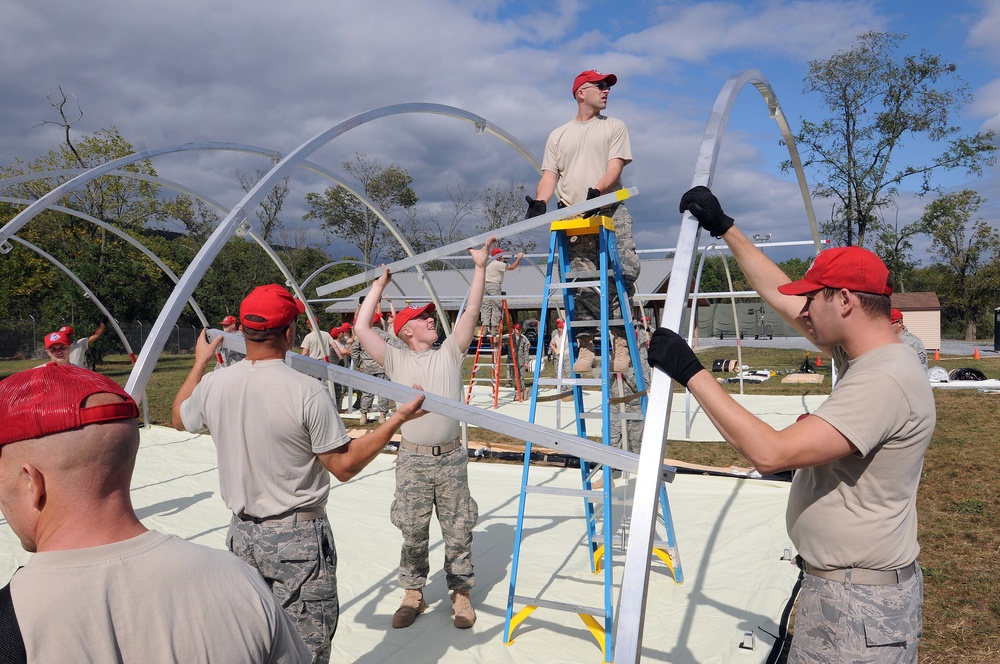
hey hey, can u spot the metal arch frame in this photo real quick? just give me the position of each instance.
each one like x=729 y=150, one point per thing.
x=87 y=293
x=139 y=377
x=123 y=235
x=289 y=279
x=635 y=579
x=244 y=229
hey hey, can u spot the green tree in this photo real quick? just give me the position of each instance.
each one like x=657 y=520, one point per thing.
x=124 y=280
x=344 y=217
x=970 y=254
x=878 y=99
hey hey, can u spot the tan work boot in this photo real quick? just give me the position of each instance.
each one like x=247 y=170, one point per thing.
x=622 y=359
x=585 y=356
x=363 y=418
x=465 y=615
x=412 y=606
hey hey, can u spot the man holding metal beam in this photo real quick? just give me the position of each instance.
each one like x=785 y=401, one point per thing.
x=851 y=511
x=584 y=159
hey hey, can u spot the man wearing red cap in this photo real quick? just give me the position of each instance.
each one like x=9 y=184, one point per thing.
x=495 y=271
x=852 y=505
x=78 y=347
x=907 y=337
x=278 y=437
x=101 y=587
x=432 y=465
x=57 y=347
x=230 y=324
x=584 y=159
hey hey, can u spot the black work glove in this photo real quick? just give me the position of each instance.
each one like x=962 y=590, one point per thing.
x=103 y=321
x=670 y=353
x=535 y=208
x=705 y=207
x=593 y=193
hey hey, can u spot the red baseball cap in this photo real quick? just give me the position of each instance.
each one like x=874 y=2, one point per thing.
x=53 y=338
x=408 y=314
x=269 y=307
x=852 y=268
x=592 y=76
x=560 y=323
x=67 y=330
x=48 y=399
x=229 y=320
x=495 y=251
x=517 y=326
x=895 y=315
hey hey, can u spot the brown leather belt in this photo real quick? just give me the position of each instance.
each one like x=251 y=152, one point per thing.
x=295 y=516
x=861 y=576
x=433 y=450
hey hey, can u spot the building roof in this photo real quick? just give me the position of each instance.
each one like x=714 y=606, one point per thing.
x=523 y=286
x=916 y=301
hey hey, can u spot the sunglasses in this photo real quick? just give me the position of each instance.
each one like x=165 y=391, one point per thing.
x=600 y=85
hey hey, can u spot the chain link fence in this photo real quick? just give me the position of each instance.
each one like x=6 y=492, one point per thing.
x=25 y=339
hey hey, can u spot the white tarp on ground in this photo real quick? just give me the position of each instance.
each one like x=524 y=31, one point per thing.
x=731 y=536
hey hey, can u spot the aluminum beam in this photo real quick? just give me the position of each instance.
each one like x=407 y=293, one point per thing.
x=632 y=610
x=478 y=240
x=457 y=410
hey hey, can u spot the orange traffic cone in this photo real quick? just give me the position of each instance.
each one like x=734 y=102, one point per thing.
x=937 y=355
x=819 y=360
x=975 y=354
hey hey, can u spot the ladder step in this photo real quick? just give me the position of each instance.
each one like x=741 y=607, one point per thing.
x=592 y=494
x=614 y=415
x=572 y=285
x=558 y=606
x=562 y=382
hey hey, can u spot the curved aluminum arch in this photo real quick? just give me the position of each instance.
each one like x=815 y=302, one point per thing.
x=87 y=293
x=635 y=578
x=139 y=377
x=123 y=235
x=237 y=147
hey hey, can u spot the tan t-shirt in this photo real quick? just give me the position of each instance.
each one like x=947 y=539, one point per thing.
x=153 y=598
x=579 y=152
x=495 y=271
x=438 y=371
x=317 y=347
x=268 y=422
x=861 y=510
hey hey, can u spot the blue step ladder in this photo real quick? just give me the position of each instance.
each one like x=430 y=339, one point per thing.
x=598 y=499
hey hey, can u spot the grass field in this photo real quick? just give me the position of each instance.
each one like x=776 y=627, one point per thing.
x=957 y=503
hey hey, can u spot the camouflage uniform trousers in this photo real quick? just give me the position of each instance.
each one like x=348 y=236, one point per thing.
x=298 y=561
x=634 y=428
x=490 y=313
x=584 y=253
x=425 y=483
x=841 y=622
x=522 y=355
x=373 y=368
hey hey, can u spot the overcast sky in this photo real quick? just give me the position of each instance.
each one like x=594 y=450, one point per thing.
x=275 y=74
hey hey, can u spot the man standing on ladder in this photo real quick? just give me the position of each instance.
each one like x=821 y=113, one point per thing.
x=491 y=312
x=852 y=510
x=584 y=159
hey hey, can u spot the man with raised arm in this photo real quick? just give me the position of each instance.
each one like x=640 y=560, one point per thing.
x=432 y=466
x=278 y=437
x=852 y=510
